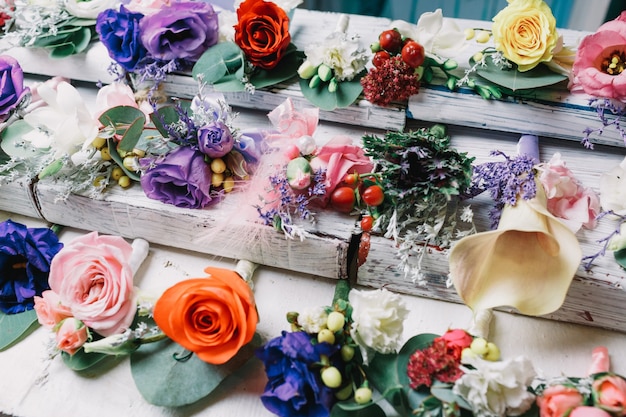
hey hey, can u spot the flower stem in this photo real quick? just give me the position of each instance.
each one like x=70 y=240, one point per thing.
x=56 y=228
x=246 y=269
x=341 y=291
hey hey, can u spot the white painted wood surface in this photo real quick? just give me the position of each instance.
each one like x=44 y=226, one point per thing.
x=17 y=197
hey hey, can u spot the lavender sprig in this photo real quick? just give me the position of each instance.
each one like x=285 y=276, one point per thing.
x=590 y=259
x=604 y=107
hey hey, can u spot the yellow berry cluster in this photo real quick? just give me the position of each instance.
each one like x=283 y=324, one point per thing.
x=481 y=348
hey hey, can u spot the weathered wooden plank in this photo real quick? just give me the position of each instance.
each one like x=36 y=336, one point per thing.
x=16 y=197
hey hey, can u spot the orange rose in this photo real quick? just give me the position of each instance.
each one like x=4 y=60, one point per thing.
x=558 y=401
x=212 y=316
x=610 y=394
x=262 y=32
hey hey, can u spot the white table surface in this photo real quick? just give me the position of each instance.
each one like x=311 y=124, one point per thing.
x=31 y=385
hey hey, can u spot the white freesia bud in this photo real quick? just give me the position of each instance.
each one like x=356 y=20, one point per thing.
x=307 y=70
x=118 y=344
x=342 y=23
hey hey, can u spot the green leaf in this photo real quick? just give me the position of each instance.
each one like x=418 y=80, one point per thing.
x=120 y=161
x=218 y=61
x=352 y=409
x=16 y=326
x=82 y=39
x=12 y=139
x=346 y=94
x=81 y=361
x=62 y=51
x=169 y=382
x=443 y=392
x=132 y=134
x=121 y=117
x=286 y=69
x=167 y=115
x=383 y=374
x=514 y=80
x=230 y=83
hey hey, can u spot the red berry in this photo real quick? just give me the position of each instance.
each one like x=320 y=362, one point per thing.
x=380 y=57
x=390 y=40
x=364 y=248
x=373 y=195
x=413 y=54
x=367 y=222
x=343 y=199
x=351 y=179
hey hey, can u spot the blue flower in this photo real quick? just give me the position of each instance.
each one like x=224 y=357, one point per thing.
x=119 y=33
x=294 y=387
x=25 y=256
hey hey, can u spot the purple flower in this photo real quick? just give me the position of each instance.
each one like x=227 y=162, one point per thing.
x=25 y=256
x=251 y=145
x=215 y=140
x=181 y=178
x=182 y=31
x=119 y=33
x=294 y=387
x=11 y=86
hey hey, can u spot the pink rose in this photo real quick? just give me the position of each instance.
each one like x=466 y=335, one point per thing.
x=71 y=335
x=147 y=7
x=457 y=340
x=558 y=400
x=609 y=393
x=339 y=157
x=567 y=198
x=586 y=411
x=94 y=279
x=590 y=72
x=600 y=360
x=49 y=309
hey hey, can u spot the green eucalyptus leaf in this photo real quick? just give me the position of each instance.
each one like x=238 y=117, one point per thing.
x=352 y=409
x=79 y=21
x=16 y=326
x=51 y=169
x=443 y=392
x=165 y=115
x=120 y=161
x=346 y=94
x=82 y=39
x=231 y=83
x=218 y=61
x=12 y=140
x=81 y=361
x=620 y=257
x=62 y=51
x=383 y=375
x=132 y=134
x=121 y=117
x=514 y=80
x=168 y=375
x=286 y=69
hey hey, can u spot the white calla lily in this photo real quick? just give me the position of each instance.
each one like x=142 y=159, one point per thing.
x=613 y=189
x=438 y=36
x=527 y=263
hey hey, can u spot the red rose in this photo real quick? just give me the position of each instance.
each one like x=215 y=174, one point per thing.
x=262 y=32
x=456 y=340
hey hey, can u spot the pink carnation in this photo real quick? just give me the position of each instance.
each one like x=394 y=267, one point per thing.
x=567 y=198
x=590 y=72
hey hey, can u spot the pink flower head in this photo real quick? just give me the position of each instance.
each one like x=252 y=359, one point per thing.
x=94 y=279
x=592 y=71
x=71 y=335
x=457 y=340
x=49 y=309
x=558 y=401
x=339 y=157
x=588 y=411
x=609 y=393
x=291 y=123
x=567 y=198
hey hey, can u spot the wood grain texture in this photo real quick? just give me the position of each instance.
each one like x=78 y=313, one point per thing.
x=16 y=197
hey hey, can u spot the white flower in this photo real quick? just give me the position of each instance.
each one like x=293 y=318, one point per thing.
x=613 y=189
x=313 y=320
x=497 y=389
x=64 y=124
x=438 y=36
x=88 y=9
x=378 y=319
x=343 y=53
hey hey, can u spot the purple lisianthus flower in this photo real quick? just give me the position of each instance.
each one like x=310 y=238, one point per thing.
x=215 y=140
x=25 y=255
x=12 y=89
x=181 y=178
x=119 y=32
x=182 y=31
x=294 y=386
x=251 y=145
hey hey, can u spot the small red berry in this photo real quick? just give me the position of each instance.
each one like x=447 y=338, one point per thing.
x=390 y=40
x=343 y=199
x=380 y=57
x=367 y=222
x=351 y=179
x=373 y=195
x=413 y=54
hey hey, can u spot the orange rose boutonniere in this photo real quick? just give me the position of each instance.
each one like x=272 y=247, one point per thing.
x=212 y=316
x=262 y=32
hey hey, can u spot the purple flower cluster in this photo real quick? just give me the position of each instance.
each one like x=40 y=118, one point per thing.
x=181 y=31
x=294 y=386
x=505 y=181
x=12 y=89
x=25 y=256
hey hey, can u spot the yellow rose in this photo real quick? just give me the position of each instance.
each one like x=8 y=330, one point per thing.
x=525 y=33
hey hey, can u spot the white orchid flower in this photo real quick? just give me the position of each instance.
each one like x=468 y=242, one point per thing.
x=440 y=37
